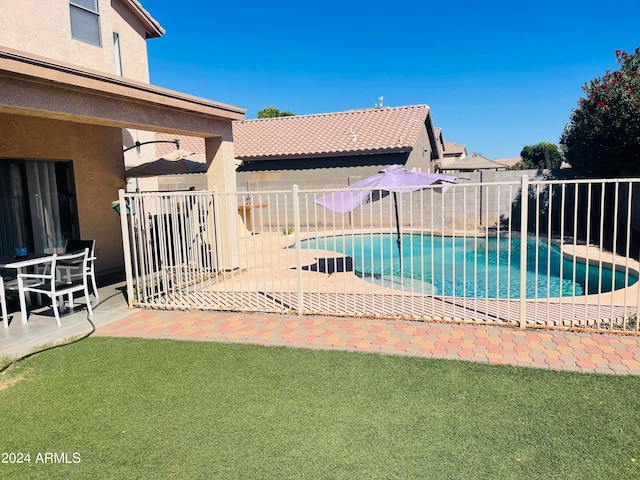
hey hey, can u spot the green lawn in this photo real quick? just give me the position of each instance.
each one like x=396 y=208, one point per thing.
x=177 y=410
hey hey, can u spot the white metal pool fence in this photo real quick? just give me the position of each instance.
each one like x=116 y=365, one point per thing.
x=461 y=260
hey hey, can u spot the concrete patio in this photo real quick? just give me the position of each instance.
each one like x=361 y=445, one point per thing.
x=41 y=329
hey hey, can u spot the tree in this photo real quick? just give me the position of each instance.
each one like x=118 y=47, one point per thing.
x=603 y=135
x=520 y=166
x=273 y=112
x=543 y=155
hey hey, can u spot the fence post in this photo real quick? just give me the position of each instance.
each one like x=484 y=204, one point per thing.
x=296 y=227
x=524 y=213
x=126 y=245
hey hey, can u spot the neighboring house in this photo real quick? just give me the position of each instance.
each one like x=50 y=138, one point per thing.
x=332 y=149
x=452 y=152
x=509 y=161
x=472 y=163
x=74 y=93
x=440 y=143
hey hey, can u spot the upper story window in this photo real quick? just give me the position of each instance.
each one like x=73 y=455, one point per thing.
x=116 y=50
x=85 y=21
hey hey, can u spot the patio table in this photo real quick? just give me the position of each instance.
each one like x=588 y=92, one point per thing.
x=20 y=264
x=11 y=261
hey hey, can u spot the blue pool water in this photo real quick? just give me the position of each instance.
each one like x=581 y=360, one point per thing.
x=470 y=267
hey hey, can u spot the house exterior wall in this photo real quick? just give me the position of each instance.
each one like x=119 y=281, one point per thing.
x=44 y=29
x=133 y=43
x=96 y=153
x=61 y=99
x=48 y=34
x=134 y=156
x=423 y=156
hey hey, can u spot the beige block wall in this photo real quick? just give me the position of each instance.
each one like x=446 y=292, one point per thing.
x=96 y=153
x=44 y=28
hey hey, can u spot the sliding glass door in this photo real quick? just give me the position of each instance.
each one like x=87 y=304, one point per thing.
x=37 y=205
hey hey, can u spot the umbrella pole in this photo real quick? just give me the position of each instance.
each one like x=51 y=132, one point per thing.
x=398 y=240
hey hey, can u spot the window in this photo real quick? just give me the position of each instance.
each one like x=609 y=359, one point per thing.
x=37 y=205
x=116 y=49
x=85 y=21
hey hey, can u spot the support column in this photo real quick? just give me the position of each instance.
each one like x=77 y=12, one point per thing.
x=221 y=176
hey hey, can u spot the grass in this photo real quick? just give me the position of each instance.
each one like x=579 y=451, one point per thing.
x=165 y=409
x=5 y=360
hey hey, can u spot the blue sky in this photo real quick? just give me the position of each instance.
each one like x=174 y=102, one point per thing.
x=497 y=75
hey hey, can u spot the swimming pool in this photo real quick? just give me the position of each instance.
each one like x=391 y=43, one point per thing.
x=475 y=267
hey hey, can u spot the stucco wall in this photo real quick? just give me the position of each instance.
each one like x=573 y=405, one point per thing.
x=44 y=29
x=96 y=153
x=133 y=43
x=420 y=156
x=137 y=156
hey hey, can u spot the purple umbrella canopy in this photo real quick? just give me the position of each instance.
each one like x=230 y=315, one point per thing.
x=395 y=179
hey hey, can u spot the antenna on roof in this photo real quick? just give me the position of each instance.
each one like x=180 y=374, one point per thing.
x=380 y=98
x=354 y=135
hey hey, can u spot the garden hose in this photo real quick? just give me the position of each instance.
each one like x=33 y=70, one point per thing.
x=58 y=345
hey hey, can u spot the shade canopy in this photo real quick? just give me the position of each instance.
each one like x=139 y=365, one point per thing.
x=392 y=179
x=177 y=162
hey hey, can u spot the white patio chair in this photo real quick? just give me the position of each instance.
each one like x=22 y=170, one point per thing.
x=49 y=284
x=72 y=274
x=3 y=304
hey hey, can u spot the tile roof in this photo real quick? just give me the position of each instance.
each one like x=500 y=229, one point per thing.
x=474 y=162
x=152 y=28
x=355 y=132
x=452 y=148
x=509 y=161
x=190 y=144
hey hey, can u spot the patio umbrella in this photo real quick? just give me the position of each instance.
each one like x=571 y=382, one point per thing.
x=394 y=179
x=175 y=163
